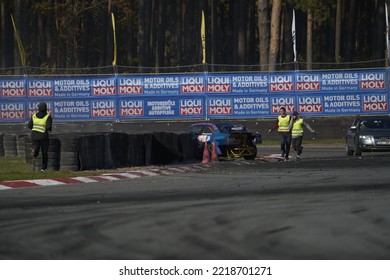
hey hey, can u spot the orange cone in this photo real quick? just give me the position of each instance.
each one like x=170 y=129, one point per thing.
x=214 y=155
x=206 y=153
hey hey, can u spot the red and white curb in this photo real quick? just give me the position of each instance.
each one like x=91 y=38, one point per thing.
x=108 y=177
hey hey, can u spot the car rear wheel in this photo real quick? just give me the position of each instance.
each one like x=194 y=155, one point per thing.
x=252 y=157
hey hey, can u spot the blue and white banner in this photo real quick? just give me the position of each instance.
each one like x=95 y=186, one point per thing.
x=197 y=96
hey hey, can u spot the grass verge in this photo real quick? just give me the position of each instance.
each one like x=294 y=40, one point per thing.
x=16 y=168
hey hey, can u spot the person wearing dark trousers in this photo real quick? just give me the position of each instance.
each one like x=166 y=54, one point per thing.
x=40 y=124
x=282 y=125
x=296 y=126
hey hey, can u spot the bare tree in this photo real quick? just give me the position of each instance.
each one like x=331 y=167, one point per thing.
x=338 y=32
x=263 y=27
x=309 y=39
x=275 y=34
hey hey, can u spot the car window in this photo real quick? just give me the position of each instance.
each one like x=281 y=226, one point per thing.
x=196 y=129
x=374 y=124
x=207 y=129
x=227 y=128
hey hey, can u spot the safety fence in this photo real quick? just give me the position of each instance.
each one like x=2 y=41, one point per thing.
x=200 y=95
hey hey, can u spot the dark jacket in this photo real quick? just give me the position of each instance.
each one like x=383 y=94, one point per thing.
x=42 y=112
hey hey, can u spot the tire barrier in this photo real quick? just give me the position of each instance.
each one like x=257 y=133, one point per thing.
x=21 y=145
x=136 y=151
x=80 y=151
x=159 y=150
x=9 y=143
x=186 y=146
x=95 y=152
x=1 y=145
x=53 y=154
x=69 y=153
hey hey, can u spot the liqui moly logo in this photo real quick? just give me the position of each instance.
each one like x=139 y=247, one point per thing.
x=279 y=102
x=131 y=108
x=192 y=85
x=372 y=81
x=310 y=105
x=103 y=109
x=12 y=111
x=308 y=82
x=376 y=102
x=130 y=86
x=191 y=107
x=103 y=87
x=40 y=88
x=32 y=108
x=281 y=83
x=12 y=89
x=220 y=107
x=218 y=84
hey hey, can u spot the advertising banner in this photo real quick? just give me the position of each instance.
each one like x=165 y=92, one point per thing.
x=12 y=88
x=198 y=95
x=162 y=108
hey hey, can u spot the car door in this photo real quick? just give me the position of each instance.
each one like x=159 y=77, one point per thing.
x=351 y=135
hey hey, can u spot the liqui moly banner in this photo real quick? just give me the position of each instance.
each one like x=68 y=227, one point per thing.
x=72 y=88
x=161 y=85
x=42 y=88
x=164 y=108
x=84 y=109
x=12 y=88
x=12 y=111
x=198 y=95
x=238 y=106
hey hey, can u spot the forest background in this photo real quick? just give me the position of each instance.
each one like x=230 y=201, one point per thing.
x=164 y=35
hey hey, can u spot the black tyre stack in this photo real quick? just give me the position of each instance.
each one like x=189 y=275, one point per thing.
x=9 y=144
x=69 y=155
x=21 y=145
x=1 y=145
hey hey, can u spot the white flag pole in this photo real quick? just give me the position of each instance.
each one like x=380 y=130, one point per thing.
x=294 y=38
x=387 y=35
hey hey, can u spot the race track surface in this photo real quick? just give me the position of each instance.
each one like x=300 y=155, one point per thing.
x=326 y=206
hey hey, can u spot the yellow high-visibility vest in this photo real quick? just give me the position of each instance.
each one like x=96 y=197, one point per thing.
x=283 y=124
x=297 y=128
x=39 y=124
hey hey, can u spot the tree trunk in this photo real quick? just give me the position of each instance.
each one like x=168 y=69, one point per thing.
x=179 y=33
x=214 y=34
x=7 y=41
x=338 y=32
x=160 y=48
x=241 y=43
x=275 y=34
x=263 y=26
x=309 y=40
x=18 y=22
x=350 y=38
x=379 y=49
x=144 y=33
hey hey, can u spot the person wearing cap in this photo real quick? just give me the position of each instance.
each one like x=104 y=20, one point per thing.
x=282 y=125
x=40 y=124
x=296 y=125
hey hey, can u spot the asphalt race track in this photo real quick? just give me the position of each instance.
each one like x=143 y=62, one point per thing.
x=326 y=206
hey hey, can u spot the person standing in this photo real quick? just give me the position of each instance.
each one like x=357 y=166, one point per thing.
x=40 y=124
x=296 y=126
x=282 y=125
